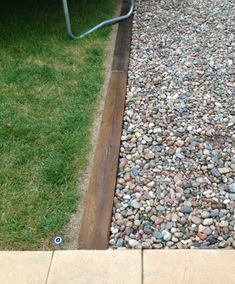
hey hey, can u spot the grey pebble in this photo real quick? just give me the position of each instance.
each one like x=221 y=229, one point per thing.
x=232 y=188
x=215 y=172
x=160 y=208
x=157 y=235
x=135 y=204
x=205 y=214
x=166 y=235
x=186 y=209
x=208 y=222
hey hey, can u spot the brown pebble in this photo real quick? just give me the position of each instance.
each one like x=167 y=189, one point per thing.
x=158 y=220
x=202 y=236
x=127 y=177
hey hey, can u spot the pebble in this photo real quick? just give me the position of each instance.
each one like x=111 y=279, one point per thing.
x=205 y=214
x=127 y=177
x=147 y=231
x=232 y=196
x=208 y=222
x=223 y=244
x=120 y=243
x=178 y=235
x=160 y=208
x=224 y=170
x=211 y=239
x=214 y=213
x=232 y=188
x=146 y=245
x=157 y=235
x=196 y=220
x=186 y=209
x=158 y=220
x=135 y=204
x=175 y=184
x=134 y=244
x=174 y=217
x=166 y=235
x=207 y=231
x=158 y=246
x=215 y=172
x=202 y=236
x=223 y=224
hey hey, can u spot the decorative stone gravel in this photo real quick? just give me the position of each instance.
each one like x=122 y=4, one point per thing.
x=176 y=179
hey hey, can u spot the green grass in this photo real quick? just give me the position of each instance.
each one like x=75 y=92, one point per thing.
x=49 y=87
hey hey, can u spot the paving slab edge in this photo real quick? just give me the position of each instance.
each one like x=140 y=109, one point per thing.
x=110 y=266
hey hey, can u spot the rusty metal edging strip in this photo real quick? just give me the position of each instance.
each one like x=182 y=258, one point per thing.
x=95 y=225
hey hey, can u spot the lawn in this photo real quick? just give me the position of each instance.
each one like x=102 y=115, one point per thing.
x=49 y=89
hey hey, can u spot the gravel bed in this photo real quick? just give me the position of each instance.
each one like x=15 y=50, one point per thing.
x=176 y=178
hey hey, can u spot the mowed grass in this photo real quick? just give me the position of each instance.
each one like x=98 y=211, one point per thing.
x=49 y=88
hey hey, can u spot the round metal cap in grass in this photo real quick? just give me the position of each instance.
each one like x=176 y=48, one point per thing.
x=58 y=240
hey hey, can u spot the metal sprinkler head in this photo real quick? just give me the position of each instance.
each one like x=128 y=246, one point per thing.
x=58 y=240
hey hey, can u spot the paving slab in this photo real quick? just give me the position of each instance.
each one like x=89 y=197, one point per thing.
x=24 y=267
x=189 y=267
x=99 y=267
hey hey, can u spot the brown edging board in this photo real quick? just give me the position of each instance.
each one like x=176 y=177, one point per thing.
x=95 y=225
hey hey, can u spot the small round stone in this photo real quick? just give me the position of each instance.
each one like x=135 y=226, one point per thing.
x=208 y=222
x=196 y=220
x=186 y=209
x=205 y=214
x=160 y=208
x=157 y=235
x=134 y=244
x=166 y=235
x=135 y=204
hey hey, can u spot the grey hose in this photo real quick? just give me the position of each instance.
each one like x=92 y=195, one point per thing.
x=102 y=24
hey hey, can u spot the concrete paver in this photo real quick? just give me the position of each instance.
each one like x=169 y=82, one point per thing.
x=99 y=267
x=189 y=267
x=24 y=267
x=118 y=267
